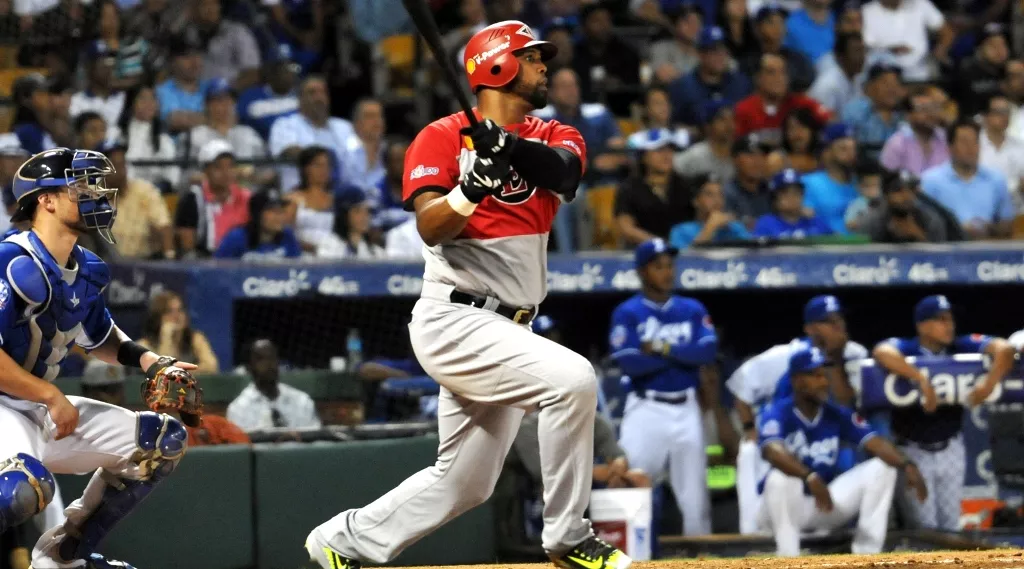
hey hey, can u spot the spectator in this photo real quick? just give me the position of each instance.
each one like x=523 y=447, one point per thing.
x=788 y=219
x=830 y=191
x=869 y=186
x=231 y=51
x=982 y=75
x=977 y=195
x=595 y=122
x=312 y=201
x=713 y=155
x=771 y=30
x=153 y=21
x=561 y=33
x=747 y=196
x=764 y=112
x=99 y=95
x=143 y=229
x=920 y=143
x=12 y=156
x=216 y=430
x=351 y=236
x=738 y=30
x=31 y=112
x=849 y=18
x=266 y=236
x=312 y=125
x=1013 y=88
x=658 y=119
x=222 y=124
x=1002 y=151
x=386 y=198
x=90 y=130
x=299 y=25
x=650 y=204
x=900 y=219
x=183 y=95
x=131 y=54
x=144 y=130
x=364 y=150
x=876 y=116
x=677 y=56
x=811 y=30
x=473 y=14
x=208 y=210
x=801 y=132
x=900 y=29
x=838 y=84
x=712 y=80
x=603 y=62
x=58 y=122
x=261 y=105
x=713 y=223
x=403 y=241
x=266 y=403
x=167 y=331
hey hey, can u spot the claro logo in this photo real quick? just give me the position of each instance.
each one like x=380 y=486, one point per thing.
x=996 y=272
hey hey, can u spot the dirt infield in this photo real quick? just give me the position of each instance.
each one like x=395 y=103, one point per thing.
x=989 y=559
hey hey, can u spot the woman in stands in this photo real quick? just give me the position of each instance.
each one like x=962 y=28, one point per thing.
x=167 y=327
x=351 y=236
x=734 y=20
x=800 y=133
x=132 y=53
x=266 y=236
x=312 y=202
x=148 y=140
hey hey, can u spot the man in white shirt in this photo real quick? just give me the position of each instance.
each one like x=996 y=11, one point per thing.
x=312 y=125
x=364 y=151
x=1002 y=151
x=404 y=242
x=901 y=28
x=99 y=96
x=843 y=82
x=266 y=403
x=1013 y=88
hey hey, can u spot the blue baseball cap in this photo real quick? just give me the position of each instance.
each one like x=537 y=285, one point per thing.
x=218 y=87
x=819 y=308
x=648 y=250
x=710 y=37
x=784 y=179
x=768 y=10
x=931 y=307
x=655 y=139
x=806 y=360
x=542 y=324
x=836 y=131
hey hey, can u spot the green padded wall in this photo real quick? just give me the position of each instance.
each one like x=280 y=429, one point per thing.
x=201 y=516
x=299 y=486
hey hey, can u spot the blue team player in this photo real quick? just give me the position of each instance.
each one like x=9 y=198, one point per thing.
x=660 y=340
x=51 y=298
x=805 y=490
x=932 y=435
x=788 y=219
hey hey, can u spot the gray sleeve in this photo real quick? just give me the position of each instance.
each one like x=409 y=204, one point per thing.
x=661 y=53
x=248 y=50
x=934 y=228
x=605 y=445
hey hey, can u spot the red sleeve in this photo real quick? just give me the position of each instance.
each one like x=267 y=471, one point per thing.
x=432 y=161
x=743 y=126
x=567 y=137
x=821 y=112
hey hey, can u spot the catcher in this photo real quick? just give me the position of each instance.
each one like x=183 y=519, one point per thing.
x=50 y=296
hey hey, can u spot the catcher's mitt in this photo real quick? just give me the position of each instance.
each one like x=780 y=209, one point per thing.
x=170 y=388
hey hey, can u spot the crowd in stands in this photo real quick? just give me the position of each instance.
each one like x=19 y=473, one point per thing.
x=257 y=130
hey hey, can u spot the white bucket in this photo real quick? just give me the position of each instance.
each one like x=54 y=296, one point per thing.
x=622 y=517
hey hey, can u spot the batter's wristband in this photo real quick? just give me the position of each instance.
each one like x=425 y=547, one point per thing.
x=460 y=203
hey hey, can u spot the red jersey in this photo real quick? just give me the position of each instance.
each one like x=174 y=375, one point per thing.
x=754 y=116
x=502 y=252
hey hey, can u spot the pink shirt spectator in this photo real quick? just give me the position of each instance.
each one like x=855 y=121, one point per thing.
x=903 y=151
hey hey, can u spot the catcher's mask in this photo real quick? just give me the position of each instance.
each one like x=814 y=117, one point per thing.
x=83 y=173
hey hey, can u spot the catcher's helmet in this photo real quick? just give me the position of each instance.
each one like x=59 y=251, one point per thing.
x=81 y=172
x=490 y=53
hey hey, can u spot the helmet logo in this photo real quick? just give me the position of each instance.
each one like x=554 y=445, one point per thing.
x=470 y=66
x=525 y=31
x=482 y=57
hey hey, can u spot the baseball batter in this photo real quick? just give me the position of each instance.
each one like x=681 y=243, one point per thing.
x=660 y=340
x=804 y=490
x=755 y=382
x=51 y=297
x=932 y=435
x=485 y=199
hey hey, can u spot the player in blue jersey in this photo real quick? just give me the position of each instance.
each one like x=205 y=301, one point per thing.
x=788 y=219
x=933 y=438
x=260 y=105
x=51 y=298
x=800 y=437
x=660 y=341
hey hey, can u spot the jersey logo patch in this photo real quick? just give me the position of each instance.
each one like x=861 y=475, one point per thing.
x=707 y=322
x=978 y=337
x=421 y=171
x=858 y=420
x=771 y=428
x=5 y=294
x=617 y=338
x=516 y=190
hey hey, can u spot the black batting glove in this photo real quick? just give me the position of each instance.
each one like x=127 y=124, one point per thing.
x=487 y=178
x=489 y=139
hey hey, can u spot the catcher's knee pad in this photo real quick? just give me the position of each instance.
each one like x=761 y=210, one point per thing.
x=162 y=441
x=26 y=487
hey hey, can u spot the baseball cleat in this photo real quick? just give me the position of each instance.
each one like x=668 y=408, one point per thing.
x=594 y=553
x=325 y=556
x=94 y=561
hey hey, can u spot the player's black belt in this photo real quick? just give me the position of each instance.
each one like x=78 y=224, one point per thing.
x=517 y=315
x=670 y=399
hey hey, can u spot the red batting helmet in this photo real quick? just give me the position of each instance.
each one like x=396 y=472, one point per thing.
x=490 y=53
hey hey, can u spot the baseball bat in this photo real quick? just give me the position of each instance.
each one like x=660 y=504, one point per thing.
x=424 y=21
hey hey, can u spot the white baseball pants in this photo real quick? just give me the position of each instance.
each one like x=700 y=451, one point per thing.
x=943 y=474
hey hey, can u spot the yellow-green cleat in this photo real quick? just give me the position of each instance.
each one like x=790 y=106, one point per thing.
x=326 y=557
x=594 y=553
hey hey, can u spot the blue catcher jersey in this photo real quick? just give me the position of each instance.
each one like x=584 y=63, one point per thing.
x=683 y=323
x=45 y=308
x=814 y=441
x=912 y=423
